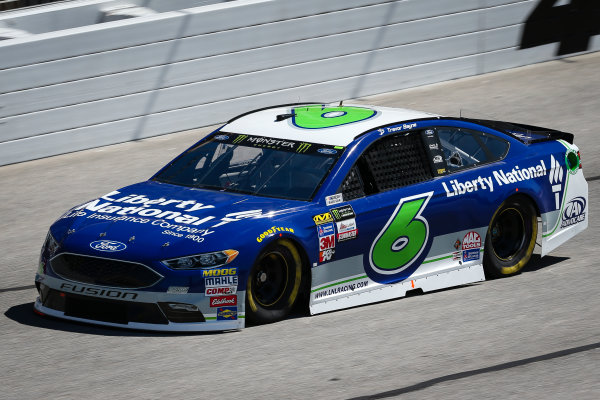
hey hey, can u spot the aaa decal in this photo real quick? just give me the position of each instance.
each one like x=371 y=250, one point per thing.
x=318 y=116
x=401 y=241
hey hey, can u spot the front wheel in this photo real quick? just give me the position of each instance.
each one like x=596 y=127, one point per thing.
x=510 y=238
x=274 y=283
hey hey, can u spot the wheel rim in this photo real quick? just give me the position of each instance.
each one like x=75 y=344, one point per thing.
x=508 y=234
x=270 y=279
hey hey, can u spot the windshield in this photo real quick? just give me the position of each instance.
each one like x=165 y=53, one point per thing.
x=253 y=164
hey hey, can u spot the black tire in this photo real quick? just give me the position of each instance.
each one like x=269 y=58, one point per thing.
x=510 y=238
x=274 y=283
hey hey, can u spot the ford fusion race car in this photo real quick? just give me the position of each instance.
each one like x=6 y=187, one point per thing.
x=334 y=206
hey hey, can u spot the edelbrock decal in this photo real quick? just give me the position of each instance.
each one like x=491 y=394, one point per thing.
x=110 y=246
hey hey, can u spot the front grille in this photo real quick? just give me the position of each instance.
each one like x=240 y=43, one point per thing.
x=115 y=311
x=103 y=271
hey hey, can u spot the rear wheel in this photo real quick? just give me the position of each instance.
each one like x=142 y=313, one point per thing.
x=510 y=238
x=274 y=283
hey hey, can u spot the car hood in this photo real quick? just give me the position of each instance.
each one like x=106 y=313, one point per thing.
x=153 y=220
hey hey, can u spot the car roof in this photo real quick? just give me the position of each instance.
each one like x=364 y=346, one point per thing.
x=290 y=126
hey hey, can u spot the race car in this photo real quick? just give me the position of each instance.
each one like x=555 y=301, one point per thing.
x=318 y=205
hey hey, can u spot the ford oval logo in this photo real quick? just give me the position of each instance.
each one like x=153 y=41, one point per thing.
x=108 y=245
x=222 y=137
x=327 y=151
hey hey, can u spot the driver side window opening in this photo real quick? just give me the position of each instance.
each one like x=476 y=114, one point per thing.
x=464 y=148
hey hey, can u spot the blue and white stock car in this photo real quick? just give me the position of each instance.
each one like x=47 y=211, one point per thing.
x=330 y=206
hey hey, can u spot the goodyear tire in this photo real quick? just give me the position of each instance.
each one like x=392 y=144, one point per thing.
x=510 y=239
x=274 y=283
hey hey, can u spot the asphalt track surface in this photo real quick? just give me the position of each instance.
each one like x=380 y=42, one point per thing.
x=533 y=336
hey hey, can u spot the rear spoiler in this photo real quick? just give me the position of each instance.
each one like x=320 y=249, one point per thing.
x=527 y=134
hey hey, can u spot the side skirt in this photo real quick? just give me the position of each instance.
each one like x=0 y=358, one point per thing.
x=351 y=296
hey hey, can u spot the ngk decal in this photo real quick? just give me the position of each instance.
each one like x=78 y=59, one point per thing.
x=472 y=240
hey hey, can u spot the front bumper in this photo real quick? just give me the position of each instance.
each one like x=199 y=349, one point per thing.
x=135 y=309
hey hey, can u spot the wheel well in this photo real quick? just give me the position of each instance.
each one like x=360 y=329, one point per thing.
x=306 y=270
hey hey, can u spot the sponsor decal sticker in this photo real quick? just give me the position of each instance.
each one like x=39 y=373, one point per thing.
x=221 y=301
x=334 y=199
x=273 y=230
x=219 y=272
x=471 y=240
x=110 y=246
x=218 y=281
x=573 y=212
x=226 y=313
x=220 y=291
x=326 y=242
x=456 y=187
x=437 y=159
x=322 y=218
x=433 y=146
x=178 y=289
x=325 y=230
x=221 y=137
x=327 y=151
x=456 y=256
x=303 y=147
x=342 y=213
x=326 y=255
x=470 y=255
x=346 y=230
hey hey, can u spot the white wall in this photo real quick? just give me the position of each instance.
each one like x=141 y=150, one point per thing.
x=107 y=83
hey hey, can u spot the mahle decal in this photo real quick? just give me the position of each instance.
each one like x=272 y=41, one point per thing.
x=403 y=238
x=318 y=116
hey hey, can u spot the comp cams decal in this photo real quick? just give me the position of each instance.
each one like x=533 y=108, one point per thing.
x=396 y=250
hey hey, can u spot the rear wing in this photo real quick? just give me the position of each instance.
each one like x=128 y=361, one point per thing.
x=527 y=134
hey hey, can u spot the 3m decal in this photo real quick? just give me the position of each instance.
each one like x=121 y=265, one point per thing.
x=318 y=116
x=573 y=212
x=403 y=238
x=327 y=242
x=322 y=218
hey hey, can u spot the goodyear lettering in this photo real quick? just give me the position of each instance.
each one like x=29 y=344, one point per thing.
x=273 y=230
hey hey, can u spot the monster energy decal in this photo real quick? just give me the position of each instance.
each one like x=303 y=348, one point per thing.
x=322 y=150
x=395 y=251
x=319 y=116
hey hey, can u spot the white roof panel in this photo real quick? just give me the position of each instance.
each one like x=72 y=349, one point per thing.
x=323 y=124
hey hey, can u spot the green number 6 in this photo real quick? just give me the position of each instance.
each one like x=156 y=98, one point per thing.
x=403 y=238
